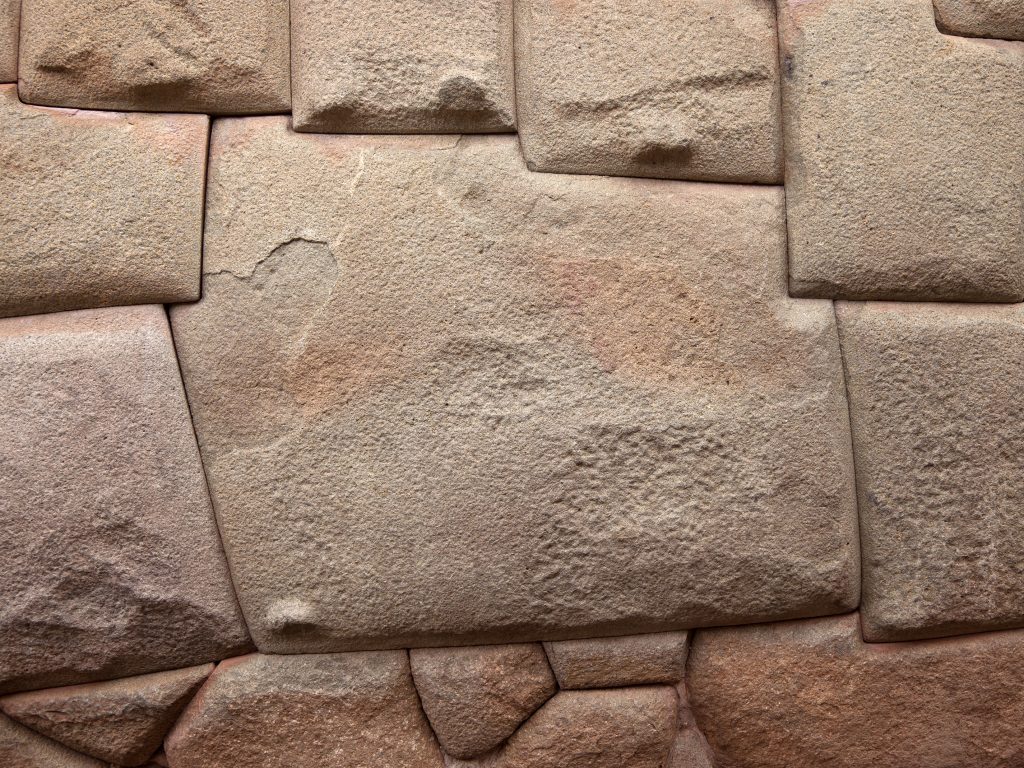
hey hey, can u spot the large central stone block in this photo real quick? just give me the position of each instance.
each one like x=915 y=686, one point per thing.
x=443 y=400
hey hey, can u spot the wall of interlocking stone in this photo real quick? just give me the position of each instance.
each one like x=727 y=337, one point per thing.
x=512 y=383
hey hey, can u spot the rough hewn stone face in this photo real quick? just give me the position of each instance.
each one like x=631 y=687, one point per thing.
x=443 y=400
x=119 y=721
x=112 y=564
x=98 y=209
x=357 y=710
x=904 y=153
x=614 y=661
x=597 y=729
x=9 y=14
x=395 y=66
x=810 y=693
x=21 y=748
x=936 y=408
x=476 y=696
x=686 y=90
x=220 y=56
x=981 y=18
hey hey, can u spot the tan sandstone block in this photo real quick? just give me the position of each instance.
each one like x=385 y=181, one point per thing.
x=686 y=89
x=98 y=208
x=905 y=155
x=10 y=12
x=395 y=66
x=218 y=56
x=112 y=561
x=1002 y=19
x=810 y=693
x=936 y=404
x=23 y=748
x=616 y=661
x=357 y=710
x=444 y=401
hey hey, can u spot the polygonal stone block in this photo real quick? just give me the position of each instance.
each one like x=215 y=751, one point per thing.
x=685 y=90
x=10 y=11
x=394 y=66
x=1003 y=19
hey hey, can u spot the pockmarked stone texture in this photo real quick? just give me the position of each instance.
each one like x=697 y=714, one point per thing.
x=120 y=721
x=358 y=710
x=98 y=209
x=442 y=400
x=904 y=155
x=689 y=749
x=597 y=729
x=21 y=747
x=112 y=563
x=218 y=56
x=476 y=696
x=685 y=90
x=810 y=693
x=394 y=66
x=616 y=661
x=10 y=11
x=1002 y=19
x=935 y=409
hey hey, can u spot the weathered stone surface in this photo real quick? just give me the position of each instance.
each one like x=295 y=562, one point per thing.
x=689 y=749
x=219 y=56
x=22 y=748
x=395 y=66
x=98 y=208
x=810 y=693
x=357 y=710
x=476 y=696
x=597 y=729
x=119 y=721
x=686 y=89
x=904 y=152
x=614 y=661
x=935 y=406
x=112 y=563
x=443 y=400
x=981 y=18
x=9 y=14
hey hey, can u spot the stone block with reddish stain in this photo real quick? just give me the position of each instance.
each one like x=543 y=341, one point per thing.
x=98 y=208
x=811 y=693
x=1003 y=19
x=10 y=12
x=616 y=661
x=443 y=400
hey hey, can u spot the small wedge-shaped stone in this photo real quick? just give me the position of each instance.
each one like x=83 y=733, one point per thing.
x=112 y=565
x=687 y=89
x=476 y=696
x=811 y=693
x=446 y=401
x=905 y=155
x=357 y=710
x=9 y=15
x=403 y=66
x=119 y=721
x=219 y=56
x=936 y=406
x=21 y=747
x=1003 y=19
x=632 y=727
x=98 y=209
x=616 y=661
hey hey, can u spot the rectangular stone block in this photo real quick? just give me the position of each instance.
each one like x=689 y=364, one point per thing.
x=98 y=208
x=444 y=400
x=684 y=90
x=394 y=66
x=936 y=405
x=10 y=11
x=112 y=564
x=218 y=56
x=904 y=155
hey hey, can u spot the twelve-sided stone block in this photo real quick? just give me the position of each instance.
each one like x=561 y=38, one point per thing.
x=218 y=56
x=936 y=407
x=444 y=400
x=685 y=89
x=10 y=11
x=112 y=563
x=1002 y=19
x=98 y=208
x=904 y=152
x=395 y=66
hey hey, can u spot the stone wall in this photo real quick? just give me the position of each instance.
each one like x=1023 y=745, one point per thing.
x=512 y=383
